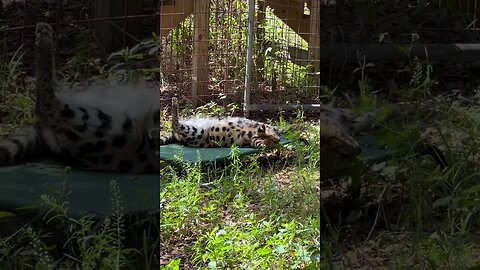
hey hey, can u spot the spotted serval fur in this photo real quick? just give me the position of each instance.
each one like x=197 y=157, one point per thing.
x=104 y=127
x=217 y=132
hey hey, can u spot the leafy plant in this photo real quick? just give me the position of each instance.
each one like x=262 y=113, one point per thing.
x=137 y=62
x=239 y=215
x=83 y=247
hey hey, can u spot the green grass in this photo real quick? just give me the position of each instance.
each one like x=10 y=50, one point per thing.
x=15 y=100
x=412 y=215
x=258 y=212
x=46 y=237
x=50 y=239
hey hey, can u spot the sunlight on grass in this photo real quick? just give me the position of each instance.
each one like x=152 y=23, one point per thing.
x=253 y=213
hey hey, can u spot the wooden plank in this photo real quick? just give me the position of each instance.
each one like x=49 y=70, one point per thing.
x=111 y=33
x=314 y=42
x=292 y=13
x=201 y=16
x=172 y=15
x=348 y=52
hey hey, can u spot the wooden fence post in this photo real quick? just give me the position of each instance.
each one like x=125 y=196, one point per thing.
x=200 y=51
x=314 y=41
x=110 y=33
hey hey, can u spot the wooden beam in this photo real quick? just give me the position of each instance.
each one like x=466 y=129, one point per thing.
x=116 y=33
x=200 y=51
x=314 y=42
x=349 y=52
x=172 y=15
x=291 y=12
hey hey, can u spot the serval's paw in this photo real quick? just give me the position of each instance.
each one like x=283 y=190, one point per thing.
x=174 y=101
x=44 y=36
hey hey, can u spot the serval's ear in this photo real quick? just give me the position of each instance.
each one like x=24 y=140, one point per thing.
x=262 y=128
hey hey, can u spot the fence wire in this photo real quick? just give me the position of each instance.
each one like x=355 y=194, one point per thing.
x=398 y=23
x=282 y=70
x=94 y=41
x=95 y=27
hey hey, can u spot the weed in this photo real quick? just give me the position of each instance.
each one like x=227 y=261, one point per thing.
x=83 y=246
x=245 y=214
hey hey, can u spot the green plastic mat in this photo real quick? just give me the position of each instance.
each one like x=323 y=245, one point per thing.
x=85 y=192
x=371 y=151
x=195 y=154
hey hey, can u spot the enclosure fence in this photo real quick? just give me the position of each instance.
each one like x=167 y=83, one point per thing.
x=359 y=37
x=204 y=47
x=110 y=25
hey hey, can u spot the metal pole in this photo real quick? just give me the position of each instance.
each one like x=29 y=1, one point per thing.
x=249 y=62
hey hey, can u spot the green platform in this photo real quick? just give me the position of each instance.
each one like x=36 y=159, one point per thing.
x=371 y=152
x=87 y=192
x=194 y=154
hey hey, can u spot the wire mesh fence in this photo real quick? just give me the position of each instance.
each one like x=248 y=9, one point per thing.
x=96 y=27
x=403 y=26
x=94 y=40
x=204 y=45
